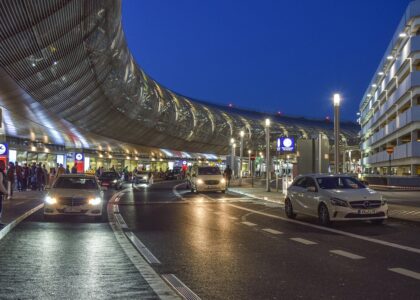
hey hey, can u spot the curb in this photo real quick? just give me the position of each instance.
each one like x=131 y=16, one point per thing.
x=4 y=231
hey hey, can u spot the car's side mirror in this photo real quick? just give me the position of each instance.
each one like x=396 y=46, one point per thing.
x=311 y=189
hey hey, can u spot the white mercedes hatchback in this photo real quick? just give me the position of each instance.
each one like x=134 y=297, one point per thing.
x=334 y=198
x=74 y=194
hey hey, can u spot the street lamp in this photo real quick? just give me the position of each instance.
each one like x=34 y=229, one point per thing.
x=337 y=100
x=267 y=146
x=249 y=161
x=241 y=150
x=232 y=158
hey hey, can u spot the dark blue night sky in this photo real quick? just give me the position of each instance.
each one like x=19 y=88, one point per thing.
x=266 y=55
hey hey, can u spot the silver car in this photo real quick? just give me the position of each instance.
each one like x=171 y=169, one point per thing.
x=74 y=194
x=334 y=198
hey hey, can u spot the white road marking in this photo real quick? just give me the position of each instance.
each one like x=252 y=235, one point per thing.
x=347 y=254
x=249 y=224
x=272 y=231
x=406 y=272
x=303 y=241
x=116 y=209
x=218 y=213
x=232 y=218
x=336 y=231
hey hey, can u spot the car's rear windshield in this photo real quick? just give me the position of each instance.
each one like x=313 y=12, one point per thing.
x=109 y=175
x=332 y=183
x=75 y=183
x=209 y=171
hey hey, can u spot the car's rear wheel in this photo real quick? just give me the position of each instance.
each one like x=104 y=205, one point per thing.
x=377 y=221
x=324 y=215
x=288 y=208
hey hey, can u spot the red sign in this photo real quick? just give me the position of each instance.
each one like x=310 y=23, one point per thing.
x=252 y=157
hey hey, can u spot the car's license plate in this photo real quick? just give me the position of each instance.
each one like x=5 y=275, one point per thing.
x=367 y=211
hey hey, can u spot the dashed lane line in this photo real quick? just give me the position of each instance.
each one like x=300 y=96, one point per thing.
x=406 y=272
x=347 y=254
x=336 y=231
x=272 y=231
x=303 y=241
x=249 y=224
x=232 y=218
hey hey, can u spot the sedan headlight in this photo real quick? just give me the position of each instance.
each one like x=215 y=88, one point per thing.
x=339 y=202
x=223 y=180
x=115 y=181
x=95 y=201
x=50 y=200
x=200 y=181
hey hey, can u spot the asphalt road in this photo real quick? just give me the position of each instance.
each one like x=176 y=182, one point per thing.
x=68 y=258
x=230 y=247
x=221 y=246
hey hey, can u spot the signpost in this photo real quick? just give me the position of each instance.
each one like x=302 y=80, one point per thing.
x=389 y=150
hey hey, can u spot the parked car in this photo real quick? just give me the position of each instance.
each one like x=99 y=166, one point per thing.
x=111 y=180
x=74 y=194
x=334 y=198
x=203 y=179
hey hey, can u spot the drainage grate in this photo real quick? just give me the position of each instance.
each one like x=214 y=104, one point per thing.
x=151 y=259
x=116 y=209
x=121 y=221
x=180 y=287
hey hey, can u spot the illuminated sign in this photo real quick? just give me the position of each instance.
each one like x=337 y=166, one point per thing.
x=79 y=156
x=286 y=144
x=3 y=149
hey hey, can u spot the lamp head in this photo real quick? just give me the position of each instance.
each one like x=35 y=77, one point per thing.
x=337 y=99
x=267 y=122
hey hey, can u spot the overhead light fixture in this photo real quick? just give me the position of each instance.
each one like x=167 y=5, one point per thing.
x=381 y=73
x=390 y=57
x=374 y=85
x=369 y=95
x=403 y=35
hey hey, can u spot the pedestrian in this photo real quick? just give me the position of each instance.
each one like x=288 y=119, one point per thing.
x=67 y=169
x=74 y=169
x=60 y=170
x=19 y=177
x=46 y=176
x=11 y=179
x=25 y=177
x=3 y=190
x=32 y=177
x=227 y=174
x=40 y=178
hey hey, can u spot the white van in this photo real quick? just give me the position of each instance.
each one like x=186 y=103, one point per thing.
x=207 y=179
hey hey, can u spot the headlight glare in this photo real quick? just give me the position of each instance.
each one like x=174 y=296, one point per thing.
x=200 y=181
x=95 y=201
x=223 y=180
x=115 y=181
x=50 y=200
x=339 y=202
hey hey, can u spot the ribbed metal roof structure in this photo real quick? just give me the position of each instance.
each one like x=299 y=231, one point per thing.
x=67 y=74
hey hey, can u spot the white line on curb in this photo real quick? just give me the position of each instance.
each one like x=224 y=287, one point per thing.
x=121 y=221
x=336 y=231
x=19 y=219
x=347 y=254
x=406 y=272
x=272 y=231
x=303 y=241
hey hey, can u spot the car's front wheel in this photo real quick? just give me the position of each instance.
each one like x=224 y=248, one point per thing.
x=288 y=208
x=324 y=215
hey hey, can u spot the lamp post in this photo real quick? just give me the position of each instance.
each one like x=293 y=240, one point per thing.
x=249 y=161
x=232 y=156
x=337 y=100
x=241 y=150
x=267 y=146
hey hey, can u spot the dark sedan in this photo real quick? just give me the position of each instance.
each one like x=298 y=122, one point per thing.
x=110 y=180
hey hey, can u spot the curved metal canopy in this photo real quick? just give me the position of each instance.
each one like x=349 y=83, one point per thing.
x=68 y=73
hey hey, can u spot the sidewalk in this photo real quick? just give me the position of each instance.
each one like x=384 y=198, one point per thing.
x=18 y=208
